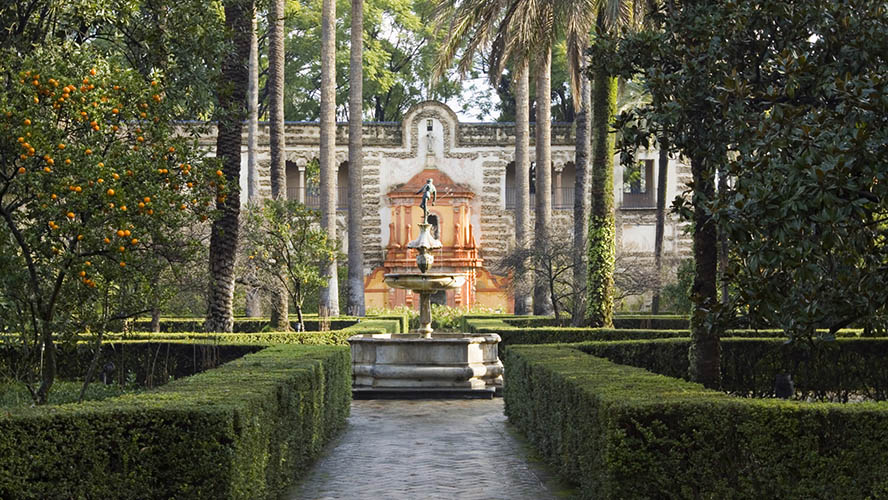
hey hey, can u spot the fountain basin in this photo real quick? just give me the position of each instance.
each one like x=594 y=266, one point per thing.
x=428 y=282
x=412 y=362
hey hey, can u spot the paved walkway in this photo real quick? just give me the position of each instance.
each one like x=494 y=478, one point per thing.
x=453 y=449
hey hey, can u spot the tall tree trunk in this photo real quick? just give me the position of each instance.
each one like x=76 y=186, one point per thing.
x=356 y=162
x=723 y=246
x=329 y=301
x=705 y=352
x=253 y=300
x=542 y=303
x=602 y=233
x=523 y=297
x=581 y=198
x=232 y=111
x=662 y=172
x=278 y=169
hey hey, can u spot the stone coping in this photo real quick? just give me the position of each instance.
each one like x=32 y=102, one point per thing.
x=450 y=338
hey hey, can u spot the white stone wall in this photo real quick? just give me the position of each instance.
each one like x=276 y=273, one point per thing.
x=472 y=154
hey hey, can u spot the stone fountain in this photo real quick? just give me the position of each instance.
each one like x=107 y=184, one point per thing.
x=422 y=363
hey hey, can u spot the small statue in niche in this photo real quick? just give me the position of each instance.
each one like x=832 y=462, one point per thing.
x=427 y=191
x=430 y=138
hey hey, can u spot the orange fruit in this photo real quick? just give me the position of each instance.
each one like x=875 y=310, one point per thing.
x=106 y=240
x=88 y=151
x=127 y=232
x=135 y=241
x=123 y=264
x=21 y=170
x=122 y=249
x=82 y=273
x=27 y=122
x=100 y=180
x=121 y=233
x=123 y=207
x=110 y=192
x=62 y=146
x=146 y=199
x=70 y=215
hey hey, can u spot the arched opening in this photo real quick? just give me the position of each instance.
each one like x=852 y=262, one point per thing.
x=563 y=187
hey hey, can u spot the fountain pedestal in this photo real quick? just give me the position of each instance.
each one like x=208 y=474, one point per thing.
x=420 y=364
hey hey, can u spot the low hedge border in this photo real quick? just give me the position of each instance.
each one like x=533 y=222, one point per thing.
x=244 y=430
x=394 y=323
x=821 y=371
x=623 y=432
x=512 y=334
x=635 y=322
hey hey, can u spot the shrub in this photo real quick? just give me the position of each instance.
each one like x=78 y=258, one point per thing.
x=244 y=430
x=623 y=432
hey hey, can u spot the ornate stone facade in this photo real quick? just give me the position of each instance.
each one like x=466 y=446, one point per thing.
x=475 y=202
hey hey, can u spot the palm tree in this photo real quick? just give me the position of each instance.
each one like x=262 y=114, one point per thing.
x=523 y=301
x=581 y=199
x=232 y=111
x=278 y=171
x=613 y=15
x=329 y=300
x=516 y=31
x=355 y=163
x=253 y=301
x=542 y=302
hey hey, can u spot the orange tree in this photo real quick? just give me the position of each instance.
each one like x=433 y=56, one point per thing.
x=96 y=184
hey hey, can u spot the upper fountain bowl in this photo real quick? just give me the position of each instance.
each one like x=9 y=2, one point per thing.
x=428 y=282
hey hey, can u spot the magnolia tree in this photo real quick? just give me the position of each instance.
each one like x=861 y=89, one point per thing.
x=95 y=184
x=284 y=244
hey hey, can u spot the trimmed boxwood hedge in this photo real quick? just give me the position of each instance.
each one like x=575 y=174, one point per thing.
x=244 y=430
x=623 y=432
x=393 y=323
x=833 y=371
x=511 y=334
x=634 y=321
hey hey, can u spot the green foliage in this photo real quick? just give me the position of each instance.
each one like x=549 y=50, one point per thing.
x=241 y=325
x=98 y=184
x=676 y=296
x=285 y=244
x=779 y=97
x=623 y=432
x=13 y=393
x=245 y=430
x=599 y=308
x=399 y=48
x=842 y=370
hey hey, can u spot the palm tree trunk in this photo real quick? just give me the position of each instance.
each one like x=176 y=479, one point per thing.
x=523 y=298
x=542 y=303
x=704 y=354
x=356 y=163
x=602 y=245
x=329 y=301
x=581 y=199
x=662 y=171
x=252 y=300
x=232 y=111
x=278 y=169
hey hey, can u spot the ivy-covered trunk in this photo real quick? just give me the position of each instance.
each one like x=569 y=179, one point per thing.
x=705 y=350
x=232 y=106
x=602 y=232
